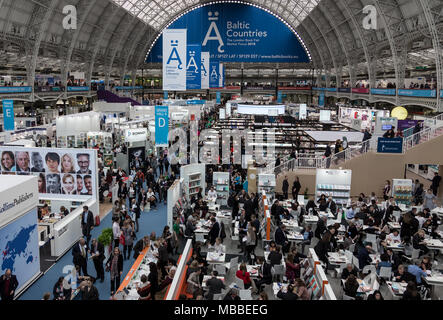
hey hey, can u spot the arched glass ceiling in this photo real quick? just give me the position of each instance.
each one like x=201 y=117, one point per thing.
x=156 y=13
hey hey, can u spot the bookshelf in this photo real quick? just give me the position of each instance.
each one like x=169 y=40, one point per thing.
x=402 y=191
x=335 y=184
x=267 y=183
x=221 y=185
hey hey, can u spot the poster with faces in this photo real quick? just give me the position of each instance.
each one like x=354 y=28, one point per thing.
x=61 y=172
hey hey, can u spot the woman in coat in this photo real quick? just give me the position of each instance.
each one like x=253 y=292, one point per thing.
x=115 y=267
x=128 y=233
x=291 y=268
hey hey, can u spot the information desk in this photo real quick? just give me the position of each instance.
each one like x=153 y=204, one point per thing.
x=140 y=267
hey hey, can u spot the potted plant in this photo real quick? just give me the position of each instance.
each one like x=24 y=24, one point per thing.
x=106 y=239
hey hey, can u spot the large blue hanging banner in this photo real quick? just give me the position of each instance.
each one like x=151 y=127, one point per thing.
x=161 y=126
x=321 y=99
x=193 y=68
x=238 y=32
x=8 y=115
x=218 y=97
x=214 y=74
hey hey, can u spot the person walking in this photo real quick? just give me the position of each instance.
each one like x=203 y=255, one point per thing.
x=435 y=183
x=8 y=285
x=115 y=266
x=296 y=188
x=285 y=188
x=87 y=223
x=97 y=252
x=128 y=233
x=327 y=155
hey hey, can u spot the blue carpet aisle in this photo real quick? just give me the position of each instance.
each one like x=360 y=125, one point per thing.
x=154 y=220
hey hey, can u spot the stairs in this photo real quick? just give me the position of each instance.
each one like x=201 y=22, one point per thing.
x=110 y=97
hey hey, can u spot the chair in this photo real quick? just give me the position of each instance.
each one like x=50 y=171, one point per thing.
x=233 y=267
x=279 y=270
x=415 y=254
x=221 y=269
x=396 y=215
x=371 y=237
x=385 y=273
x=352 y=247
x=245 y=294
x=239 y=282
x=355 y=262
x=301 y=200
x=349 y=255
x=340 y=269
x=345 y=297
x=368 y=268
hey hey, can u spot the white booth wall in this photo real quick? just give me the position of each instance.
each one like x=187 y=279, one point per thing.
x=75 y=124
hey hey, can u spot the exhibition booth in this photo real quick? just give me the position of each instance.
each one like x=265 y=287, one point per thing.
x=19 y=229
x=361 y=118
x=63 y=177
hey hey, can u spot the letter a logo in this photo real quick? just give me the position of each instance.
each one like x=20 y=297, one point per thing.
x=213 y=26
x=174 y=54
x=205 y=72
x=214 y=73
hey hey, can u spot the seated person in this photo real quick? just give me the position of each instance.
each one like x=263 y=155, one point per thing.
x=218 y=246
x=394 y=236
x=402 y=275
x=376 y=296
x=290 y=294
x=417 y=272
x=63 y=211
x=297 y=255
x=348 y=271
x=244 y=275
x=384 y=262
x=411 y=292
x=286 y=215
x=275 y=256
x=351 y=286
x=426 y=264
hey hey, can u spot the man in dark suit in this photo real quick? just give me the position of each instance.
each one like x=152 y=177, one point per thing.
x=285 y=188
x=97 y=251
x=281 y=238
x=87 y=223
x=163 y=257
x=291 y=294
x=275 y=256
x=321 y=227
x=264 y=274
x=214 y=285
x=435 y=183
x=249 y=208
x=331 y=205
x=8 y=284
x=214 y=232
x=80 y=256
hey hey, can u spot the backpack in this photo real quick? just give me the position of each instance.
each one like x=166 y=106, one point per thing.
x=97 y=220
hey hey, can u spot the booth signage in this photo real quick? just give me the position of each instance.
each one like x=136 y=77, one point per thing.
x=279 y=97
x=193 y=66
x=386 y=92
x=174 y=59
x=161 y=126
x=133 y=135
x=426 y=93
x=75 y=89
x=15 y=89
x=8 y=115
x=237 y=32
x=390 y=145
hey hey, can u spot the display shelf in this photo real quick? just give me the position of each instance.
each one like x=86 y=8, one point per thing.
x=267 y=183
x=335 y=184
x=221 y=183
x=402 y=191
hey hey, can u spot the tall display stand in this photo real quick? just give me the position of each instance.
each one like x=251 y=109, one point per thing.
x=267 y=183
x=402 y=191
x=221 y=184
x=193 y=179
x=334 y=183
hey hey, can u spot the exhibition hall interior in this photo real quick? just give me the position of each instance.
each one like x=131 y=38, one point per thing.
x=221 y=150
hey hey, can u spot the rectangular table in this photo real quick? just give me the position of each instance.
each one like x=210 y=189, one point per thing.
x=216 y=258
x=336 y=258
x=396 y=246
x=394 y=225
x=397 y=289
x=290 y=224
x=434 y=244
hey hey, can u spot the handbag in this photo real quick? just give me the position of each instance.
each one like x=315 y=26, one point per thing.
x=122 y=239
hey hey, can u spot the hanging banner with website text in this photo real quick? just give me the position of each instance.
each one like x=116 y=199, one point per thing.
x=205 y=70
x=214 y=74
x=239 y=32
x=279 y=97
x=174 y=59
x=221 y=75
x=193 y=67
x=218 y=97
x=161 y=126
x=8 y=115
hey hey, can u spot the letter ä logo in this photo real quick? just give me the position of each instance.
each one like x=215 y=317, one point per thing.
x=192 y=62
x=213 y=27
x=203 y=69
x=174 y=56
